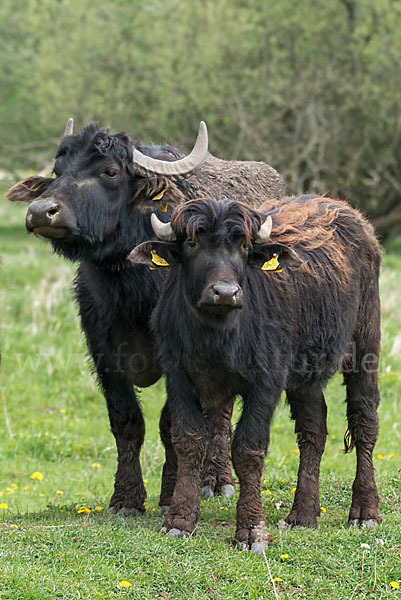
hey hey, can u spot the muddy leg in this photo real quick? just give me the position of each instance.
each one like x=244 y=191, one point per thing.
x=188 y=434
x=249 y=448
x=169 y=475
x=216 y=472
x=308 y=409
x=363 y=424
x=128 y=428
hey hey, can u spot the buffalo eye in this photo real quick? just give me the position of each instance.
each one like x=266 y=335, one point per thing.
x=192 y=244
x=111 y=172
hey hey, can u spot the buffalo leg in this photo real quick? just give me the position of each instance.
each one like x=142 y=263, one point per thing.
x=249 y=448
x=308 y=409
x=128 y=427
x=363 y=424
x=216 y=472
x=169 y=474
x=188 y=434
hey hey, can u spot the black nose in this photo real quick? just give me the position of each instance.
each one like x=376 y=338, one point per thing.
x=41 y=213
x=225 y=293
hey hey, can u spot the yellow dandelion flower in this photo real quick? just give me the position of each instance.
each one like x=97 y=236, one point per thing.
x=14 y=526
x=37 y=475
x=395 y=585
x=14 y=486
x=391 y=455
x=293 y=490
x=145 y=481
x=4 y=506
x=26 y=488
x=60 y=492
x=265 y=481
x=276 y=426
x=277 y=579
x=9 y=491
x=1 y=493
x=98 y=508
x=283 y=556
x=95 y=465
x=83 y=509
x=296 y=451
x=323 y=509
x=124 y=584
x=41 y=495
x=380 y=456
x=63 y=411
x=266 y=492
x=223 y=508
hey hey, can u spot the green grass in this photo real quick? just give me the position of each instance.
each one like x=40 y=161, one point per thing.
x=53 y=421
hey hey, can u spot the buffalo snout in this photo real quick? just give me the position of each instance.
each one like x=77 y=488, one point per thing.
x=46 y=217
x=222 y=296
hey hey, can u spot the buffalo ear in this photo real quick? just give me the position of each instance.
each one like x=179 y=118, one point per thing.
x=155 y=254
x=273 y=257
x=29 y=189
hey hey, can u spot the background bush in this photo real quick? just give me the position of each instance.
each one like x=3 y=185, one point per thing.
x=312 y=88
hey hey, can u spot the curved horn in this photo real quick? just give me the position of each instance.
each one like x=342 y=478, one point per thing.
x=164 y=231
x=177 y=167
x=69 y=128
x=264 y=231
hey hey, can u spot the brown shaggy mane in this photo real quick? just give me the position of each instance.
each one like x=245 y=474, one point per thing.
x=308 y=224
x=194 y=216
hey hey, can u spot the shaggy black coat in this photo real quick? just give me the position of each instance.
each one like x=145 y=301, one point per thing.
x=98 y=208
x=316 y=313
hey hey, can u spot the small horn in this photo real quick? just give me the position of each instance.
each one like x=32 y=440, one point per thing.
x=69 y=128
x=164 y=231
x=178 y=167
x=264 y=231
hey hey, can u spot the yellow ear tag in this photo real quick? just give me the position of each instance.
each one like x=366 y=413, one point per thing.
x=158 y=260
x=160 y=196
x=272 y=265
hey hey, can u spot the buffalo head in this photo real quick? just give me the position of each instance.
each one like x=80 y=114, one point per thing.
x=104 y=189
x=212 y=244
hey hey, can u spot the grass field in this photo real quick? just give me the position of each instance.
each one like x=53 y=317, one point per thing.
x=57 y=455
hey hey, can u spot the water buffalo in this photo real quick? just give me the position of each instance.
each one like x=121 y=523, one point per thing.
x=255 y=303
x=94 y=211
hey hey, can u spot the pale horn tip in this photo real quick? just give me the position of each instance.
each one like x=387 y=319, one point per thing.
x=69 y=128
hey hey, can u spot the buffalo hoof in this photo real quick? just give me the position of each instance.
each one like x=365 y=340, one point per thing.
x=174 y=533
x=227 y=491
x=163 y=510
x=366 y=524
x=301 y=520
x=370 y=524
x=353 y=522
x=207 y=492
x=241 y=546
x=258 y=539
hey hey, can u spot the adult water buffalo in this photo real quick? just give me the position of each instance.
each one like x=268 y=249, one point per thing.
x=94 y=211
x=255 y=303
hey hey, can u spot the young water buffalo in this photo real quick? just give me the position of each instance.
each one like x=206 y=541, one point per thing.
x=95 y=210
x=252 y=311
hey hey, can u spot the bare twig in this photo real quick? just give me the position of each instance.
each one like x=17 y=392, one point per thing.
x=353 y=593
x=271 y=577
x=375 y=579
